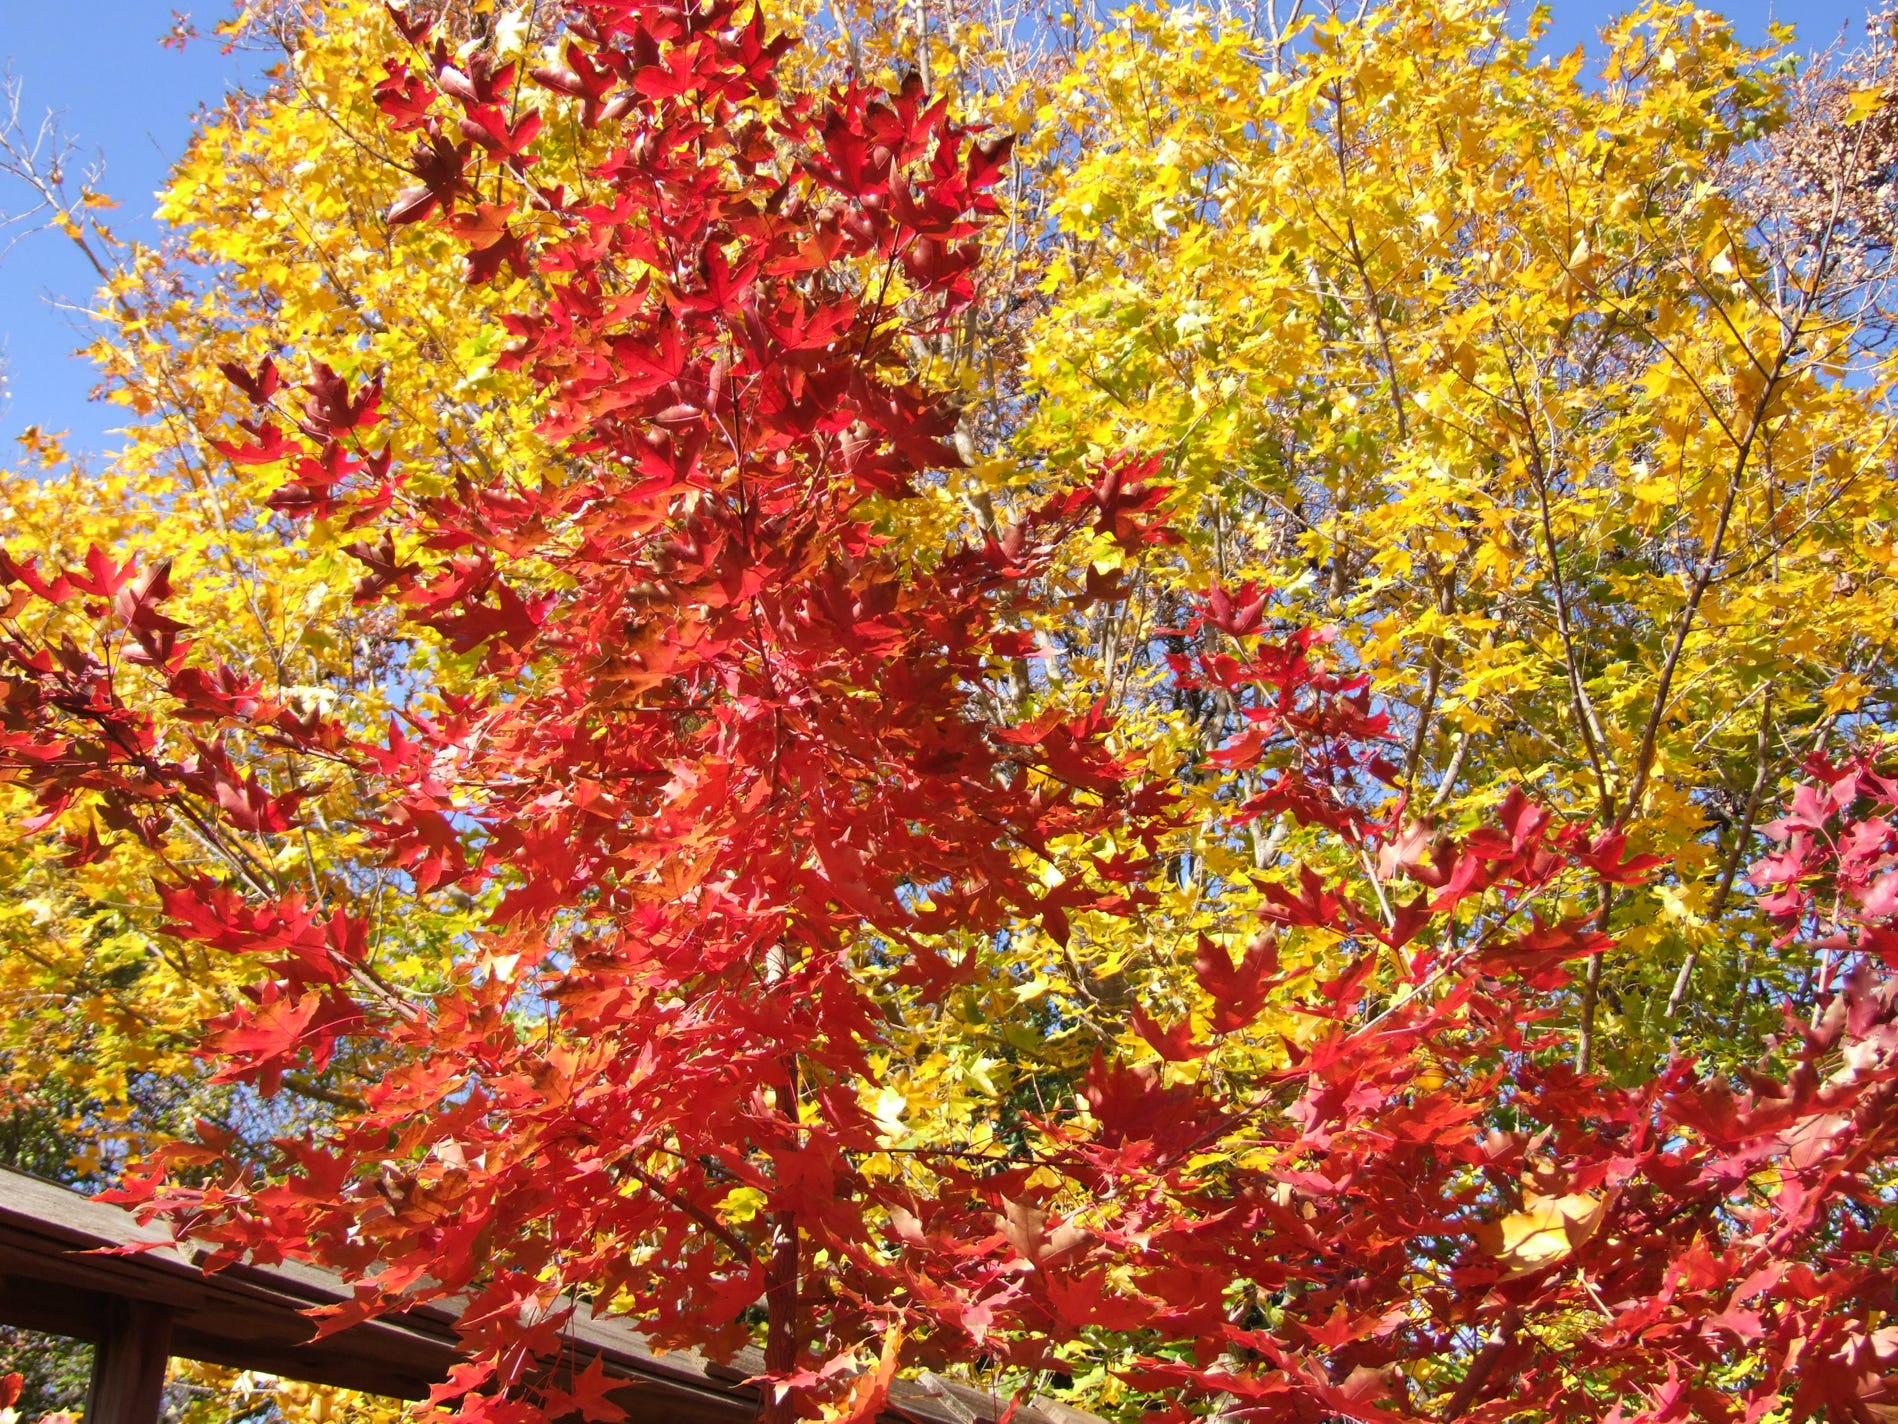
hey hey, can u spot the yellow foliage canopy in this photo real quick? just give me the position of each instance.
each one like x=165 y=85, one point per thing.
x=1531 y=380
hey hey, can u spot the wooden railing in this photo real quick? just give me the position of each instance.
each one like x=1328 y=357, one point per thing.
x=59 y=1273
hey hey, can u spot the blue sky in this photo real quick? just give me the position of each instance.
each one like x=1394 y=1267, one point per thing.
x=129 y=101
x=1817 y=21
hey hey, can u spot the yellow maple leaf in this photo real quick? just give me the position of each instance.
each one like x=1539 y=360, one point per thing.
x=1547 y=1229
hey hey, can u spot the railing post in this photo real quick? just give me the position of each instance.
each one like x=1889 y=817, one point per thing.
x=128 y=1365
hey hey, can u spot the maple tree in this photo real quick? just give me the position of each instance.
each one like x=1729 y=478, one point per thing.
x=1381 y=1203
x=1563 y=386
x=108 y=1009
x=754 y=801
x=733 y=510
x=279 y=240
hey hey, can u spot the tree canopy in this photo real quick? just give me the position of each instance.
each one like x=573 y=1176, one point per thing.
x=1190 y=713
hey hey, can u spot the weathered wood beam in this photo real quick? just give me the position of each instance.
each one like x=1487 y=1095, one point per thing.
x=61 y=1271
x=128 y=1364
x=48 y=1307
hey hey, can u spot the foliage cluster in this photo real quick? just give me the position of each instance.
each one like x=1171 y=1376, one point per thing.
x=1147 y=772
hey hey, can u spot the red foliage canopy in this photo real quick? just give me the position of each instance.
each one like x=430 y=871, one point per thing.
x=745 y=776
